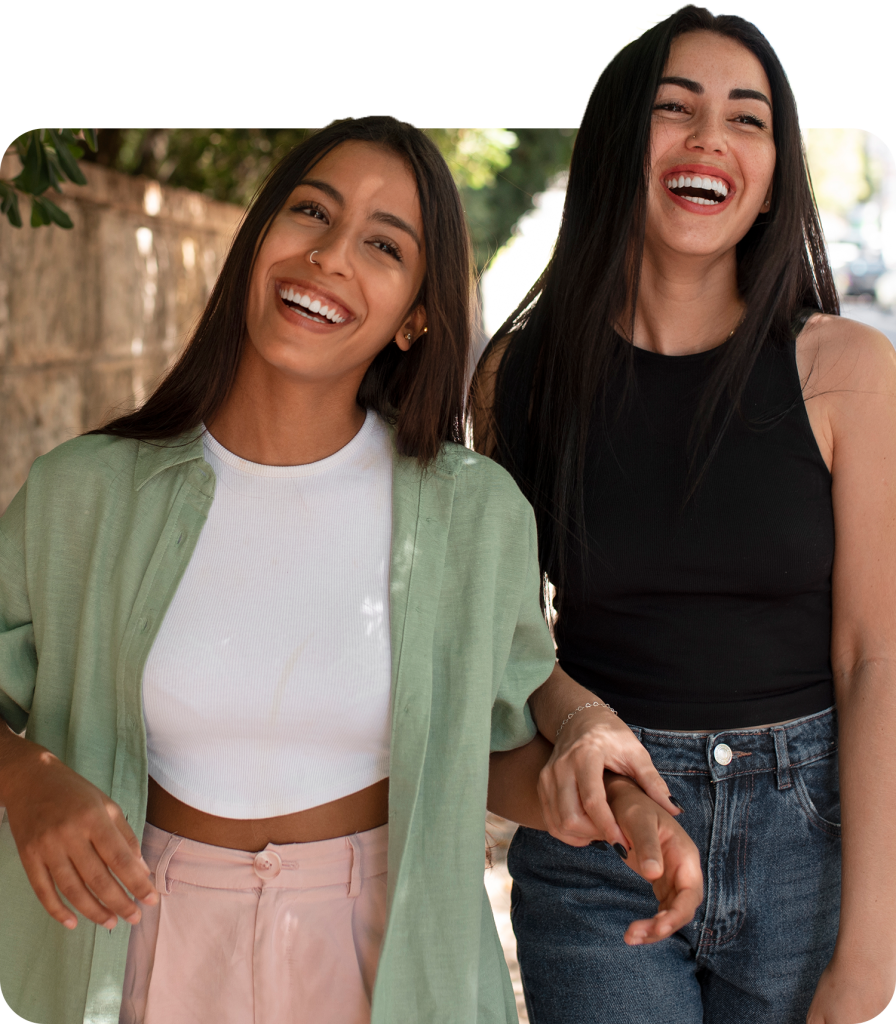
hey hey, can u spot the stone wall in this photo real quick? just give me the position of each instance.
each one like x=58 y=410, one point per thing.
x=90 y=318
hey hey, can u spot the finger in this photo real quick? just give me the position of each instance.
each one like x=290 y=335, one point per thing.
x=646 y=932
x=121 y=852
x=563 y=812
x=646 y=854
x=70 y=884
x=45 y=890
x=594 y=801
x=96 y=874
x=641 y=769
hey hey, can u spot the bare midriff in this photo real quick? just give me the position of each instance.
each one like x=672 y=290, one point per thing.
x=357 y=812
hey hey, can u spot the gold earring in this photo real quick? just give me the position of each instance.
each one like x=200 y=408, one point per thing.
x=407 y=337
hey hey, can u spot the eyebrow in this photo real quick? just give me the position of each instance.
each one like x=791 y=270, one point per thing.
x=697 y=89
x=378 y=215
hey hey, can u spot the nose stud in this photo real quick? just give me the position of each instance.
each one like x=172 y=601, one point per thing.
x=311 y=258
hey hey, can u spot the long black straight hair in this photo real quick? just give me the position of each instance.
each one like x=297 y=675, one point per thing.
x=563 y=351
x=421 y=391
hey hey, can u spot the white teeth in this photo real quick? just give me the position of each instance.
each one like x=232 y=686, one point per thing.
x=289 y=295
x=687 y=182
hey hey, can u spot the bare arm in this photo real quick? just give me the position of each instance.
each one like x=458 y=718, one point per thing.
x=656 y=846
x=852 y=405
x=571 y=786
x=70 y=837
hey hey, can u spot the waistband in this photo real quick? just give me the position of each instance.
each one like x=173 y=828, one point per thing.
x=344 y=860
x=732 y=752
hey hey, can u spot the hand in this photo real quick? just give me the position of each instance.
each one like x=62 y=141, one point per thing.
x=71 y=836
x=571 y=787
x=849 y=993
x=662 y=853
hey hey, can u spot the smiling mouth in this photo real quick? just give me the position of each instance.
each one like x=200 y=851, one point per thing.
x=313 y=310
x=697 y=189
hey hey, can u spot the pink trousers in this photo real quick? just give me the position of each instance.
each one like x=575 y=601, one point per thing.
x=290 y=935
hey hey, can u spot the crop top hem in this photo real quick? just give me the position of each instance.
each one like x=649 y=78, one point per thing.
x=716 y=715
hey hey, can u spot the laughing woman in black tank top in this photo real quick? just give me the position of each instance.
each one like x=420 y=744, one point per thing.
x=711 y=452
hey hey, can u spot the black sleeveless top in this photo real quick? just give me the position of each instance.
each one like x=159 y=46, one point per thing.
x=715 y=613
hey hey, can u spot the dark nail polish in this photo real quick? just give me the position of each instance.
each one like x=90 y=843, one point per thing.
x=675 y=803
x=600 y=844
x=621 y=850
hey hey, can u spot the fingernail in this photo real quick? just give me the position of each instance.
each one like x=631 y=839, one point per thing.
x=70 y=923
x=151 y=900
x=134 y=918
x=621 y=850
x=600 y=844
x=675 y=803
x=111 y=923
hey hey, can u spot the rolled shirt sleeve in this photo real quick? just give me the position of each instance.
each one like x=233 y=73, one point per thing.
x=531 y=658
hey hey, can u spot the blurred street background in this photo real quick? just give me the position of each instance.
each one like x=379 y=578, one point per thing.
x=102 y=282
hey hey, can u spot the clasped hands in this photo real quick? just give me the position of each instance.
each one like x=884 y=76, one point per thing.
x=598 y=782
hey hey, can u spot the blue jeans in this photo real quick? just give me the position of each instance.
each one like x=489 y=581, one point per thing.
x=767 y=825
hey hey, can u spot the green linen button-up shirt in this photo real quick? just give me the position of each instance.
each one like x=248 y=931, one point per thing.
x=91 y=552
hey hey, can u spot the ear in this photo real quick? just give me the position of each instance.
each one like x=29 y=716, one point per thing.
x=413 y=328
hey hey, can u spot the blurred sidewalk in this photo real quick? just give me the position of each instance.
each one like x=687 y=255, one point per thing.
x=499 y=832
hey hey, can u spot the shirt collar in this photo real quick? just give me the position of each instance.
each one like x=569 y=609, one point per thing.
x=155 y=456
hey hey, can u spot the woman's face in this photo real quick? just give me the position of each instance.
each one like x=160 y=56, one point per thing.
x=712 y=153
x=357 y=212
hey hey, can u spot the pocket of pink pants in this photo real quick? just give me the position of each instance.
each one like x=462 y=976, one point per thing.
x=290 y=935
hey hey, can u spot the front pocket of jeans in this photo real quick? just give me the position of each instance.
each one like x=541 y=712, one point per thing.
x=817 y=785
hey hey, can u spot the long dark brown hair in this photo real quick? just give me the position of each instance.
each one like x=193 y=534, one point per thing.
x=420 y=391
x=563 y=352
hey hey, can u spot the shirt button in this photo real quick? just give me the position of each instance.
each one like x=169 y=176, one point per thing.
x=722 y=753
x=267 y=864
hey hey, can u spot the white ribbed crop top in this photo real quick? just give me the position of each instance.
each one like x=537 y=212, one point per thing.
x=267 y=688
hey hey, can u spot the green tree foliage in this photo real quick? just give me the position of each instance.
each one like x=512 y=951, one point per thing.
x=498 y=170
x=49 y=156
x=494 y=208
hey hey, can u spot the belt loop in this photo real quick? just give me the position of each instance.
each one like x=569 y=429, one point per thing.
x=161 y=871
x=782 y=757
x=354 y=886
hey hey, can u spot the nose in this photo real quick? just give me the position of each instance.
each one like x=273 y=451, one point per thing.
x=333 y=253
x=708 y=136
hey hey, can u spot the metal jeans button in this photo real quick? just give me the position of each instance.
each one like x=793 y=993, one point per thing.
x=267 y=864
x=722 y=753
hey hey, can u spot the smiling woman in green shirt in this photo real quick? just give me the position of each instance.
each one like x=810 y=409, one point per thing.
x=274 y=613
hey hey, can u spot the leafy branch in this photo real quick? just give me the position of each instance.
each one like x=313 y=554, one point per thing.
x=49 y=156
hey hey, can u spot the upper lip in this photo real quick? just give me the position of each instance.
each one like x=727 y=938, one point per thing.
x=701 y=169
x=315 y=292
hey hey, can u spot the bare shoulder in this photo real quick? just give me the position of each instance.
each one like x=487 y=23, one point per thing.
x=842 y=357
x=482 y=395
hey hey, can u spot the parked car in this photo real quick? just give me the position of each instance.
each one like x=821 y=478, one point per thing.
x=864 y=272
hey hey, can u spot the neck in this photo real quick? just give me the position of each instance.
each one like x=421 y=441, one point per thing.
x=686 y=304
x=276 y=420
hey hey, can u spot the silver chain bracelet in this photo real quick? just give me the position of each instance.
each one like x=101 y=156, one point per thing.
x=572 y=714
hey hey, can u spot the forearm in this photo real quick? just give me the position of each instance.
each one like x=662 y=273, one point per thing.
x=513 y=783
x=557 y=696
x=866 y=705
